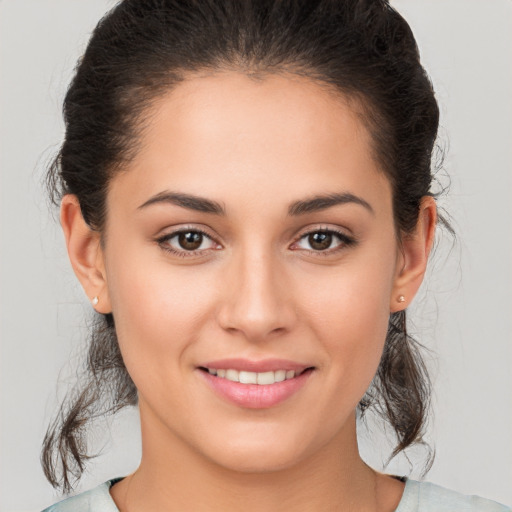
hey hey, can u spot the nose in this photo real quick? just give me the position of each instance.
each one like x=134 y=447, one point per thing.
x=256 y=298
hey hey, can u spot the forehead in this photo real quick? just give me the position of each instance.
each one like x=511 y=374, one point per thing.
x=226 y=135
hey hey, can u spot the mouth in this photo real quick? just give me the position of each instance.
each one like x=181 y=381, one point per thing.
x=260 y=378
x=255 y=385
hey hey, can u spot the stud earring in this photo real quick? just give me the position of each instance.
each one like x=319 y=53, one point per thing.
x=401 y=298
x=95 y=301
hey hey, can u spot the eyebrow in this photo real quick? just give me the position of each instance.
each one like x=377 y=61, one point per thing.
x=297 y=208
x=322 y=202
x=189 y=201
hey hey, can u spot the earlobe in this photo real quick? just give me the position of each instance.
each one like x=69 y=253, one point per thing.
x=415 y=251
x=85 y=253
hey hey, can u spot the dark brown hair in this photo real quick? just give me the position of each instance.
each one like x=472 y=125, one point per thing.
x=142 y=48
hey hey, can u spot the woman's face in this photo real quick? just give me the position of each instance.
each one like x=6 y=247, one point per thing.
x=252 y=232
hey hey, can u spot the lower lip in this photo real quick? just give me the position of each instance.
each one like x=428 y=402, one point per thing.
x=256 y=396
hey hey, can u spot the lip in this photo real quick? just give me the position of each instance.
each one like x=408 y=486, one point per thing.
x=264 y=365
x=255 y=396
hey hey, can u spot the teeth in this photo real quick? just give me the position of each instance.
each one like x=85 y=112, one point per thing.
x=233 y=375
x=266 y=378
x=280 y=375
x=248 y=377
x=262 y=378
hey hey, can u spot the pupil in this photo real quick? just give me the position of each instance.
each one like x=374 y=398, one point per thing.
x=190 y=240
x=320 y=241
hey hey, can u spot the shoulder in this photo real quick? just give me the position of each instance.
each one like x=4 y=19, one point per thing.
x=97 y=499
x=428 y=497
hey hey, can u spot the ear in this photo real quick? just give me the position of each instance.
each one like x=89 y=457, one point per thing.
x=412 y=262
x=85 y=253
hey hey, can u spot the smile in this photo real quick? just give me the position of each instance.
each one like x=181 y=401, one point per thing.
x=245 y=386
x=246 y=377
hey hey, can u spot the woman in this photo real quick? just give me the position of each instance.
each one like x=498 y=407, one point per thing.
x=245 y=193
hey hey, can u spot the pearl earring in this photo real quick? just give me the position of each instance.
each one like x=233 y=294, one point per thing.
x=95 y=301
x=401 y=298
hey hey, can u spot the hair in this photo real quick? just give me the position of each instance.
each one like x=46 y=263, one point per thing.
x=142 y=49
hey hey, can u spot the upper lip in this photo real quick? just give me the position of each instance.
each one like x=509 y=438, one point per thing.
x=263 y=365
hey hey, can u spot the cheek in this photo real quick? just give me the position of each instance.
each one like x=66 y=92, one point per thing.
x=158 y=310
x=352 y=320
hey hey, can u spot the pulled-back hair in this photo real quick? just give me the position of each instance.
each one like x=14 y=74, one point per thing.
x=143 y=48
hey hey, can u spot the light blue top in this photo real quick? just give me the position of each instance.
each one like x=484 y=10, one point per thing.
x=417 y=497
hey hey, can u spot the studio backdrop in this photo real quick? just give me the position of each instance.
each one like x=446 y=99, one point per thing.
x=463 y=313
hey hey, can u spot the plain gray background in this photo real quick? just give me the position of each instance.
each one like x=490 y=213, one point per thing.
x=464 y=312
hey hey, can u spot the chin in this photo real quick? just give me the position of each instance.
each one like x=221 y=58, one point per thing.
x=250 y=462
x=262 y=455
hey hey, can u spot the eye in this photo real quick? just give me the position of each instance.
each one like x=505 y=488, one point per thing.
x=324 y=240
x=187 y=242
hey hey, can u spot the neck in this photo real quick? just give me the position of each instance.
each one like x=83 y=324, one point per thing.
x=174 y=477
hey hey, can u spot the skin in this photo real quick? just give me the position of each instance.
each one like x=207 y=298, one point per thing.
x=256 y=289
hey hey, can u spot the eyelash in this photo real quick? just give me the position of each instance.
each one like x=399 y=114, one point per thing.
x=182 y=254
x=345 y=242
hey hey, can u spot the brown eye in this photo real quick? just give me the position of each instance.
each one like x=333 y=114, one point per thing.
x=190 y=241
x=324 y=241
x=187 y=243
x=320 y=241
